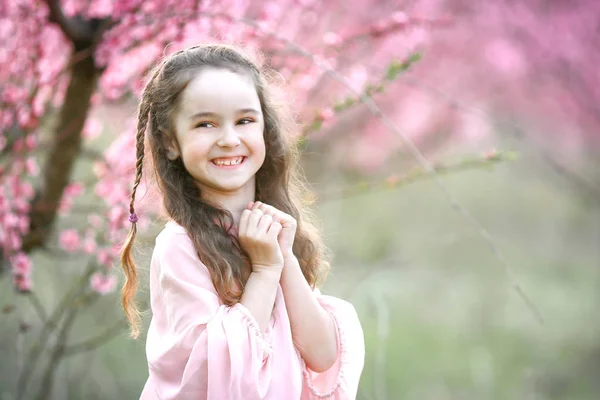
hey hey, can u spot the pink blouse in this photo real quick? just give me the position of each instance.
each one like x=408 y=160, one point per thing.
x=198 y=348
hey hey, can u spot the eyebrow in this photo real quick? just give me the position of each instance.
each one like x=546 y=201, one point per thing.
x=212 y=114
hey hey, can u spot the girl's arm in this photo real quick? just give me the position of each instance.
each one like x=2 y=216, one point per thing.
x=313 y=329
x=259 y=296
x=258 y=237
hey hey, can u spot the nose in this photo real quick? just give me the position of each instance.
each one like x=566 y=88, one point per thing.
x=229 y=137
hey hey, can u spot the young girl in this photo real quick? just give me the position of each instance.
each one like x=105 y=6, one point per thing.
x=236 y=314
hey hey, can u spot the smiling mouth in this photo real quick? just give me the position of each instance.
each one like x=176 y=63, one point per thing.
x=229 y=161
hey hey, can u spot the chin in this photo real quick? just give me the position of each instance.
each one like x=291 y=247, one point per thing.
x=230 y=186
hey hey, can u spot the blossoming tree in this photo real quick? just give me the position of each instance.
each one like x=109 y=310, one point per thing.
x=62 y=60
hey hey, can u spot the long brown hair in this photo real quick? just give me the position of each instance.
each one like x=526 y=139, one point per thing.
x=278 y=181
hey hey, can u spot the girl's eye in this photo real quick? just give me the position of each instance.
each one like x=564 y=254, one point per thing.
x=245 y=121
x=205 y=125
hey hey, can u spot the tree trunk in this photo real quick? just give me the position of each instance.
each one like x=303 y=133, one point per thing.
x=64 y=150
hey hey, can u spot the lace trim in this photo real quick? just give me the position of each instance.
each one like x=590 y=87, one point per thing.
x=341 y=344
x=255 y=329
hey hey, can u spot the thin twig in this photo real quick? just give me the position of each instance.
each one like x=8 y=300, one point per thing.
x=415 y=175
x=51 y=324
x=59 y=348
x=96 y=341
x=516 y=131
x=38 y=306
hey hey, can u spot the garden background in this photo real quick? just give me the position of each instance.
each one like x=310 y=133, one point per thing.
x=451 y=145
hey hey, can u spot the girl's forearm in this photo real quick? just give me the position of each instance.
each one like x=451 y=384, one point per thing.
x=313 y=330
x=259 y=296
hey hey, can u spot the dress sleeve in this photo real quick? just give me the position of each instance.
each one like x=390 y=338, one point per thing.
x=340 y=381
x=198 y=348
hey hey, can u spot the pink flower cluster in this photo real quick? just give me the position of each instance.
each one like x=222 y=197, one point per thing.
x=16 y=194
x=37 y=52
x=359 y=42
x=103 y=283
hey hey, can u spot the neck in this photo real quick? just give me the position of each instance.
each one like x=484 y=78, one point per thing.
x=235 y=202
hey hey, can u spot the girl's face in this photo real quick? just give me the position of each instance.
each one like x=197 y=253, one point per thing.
x=219 y=129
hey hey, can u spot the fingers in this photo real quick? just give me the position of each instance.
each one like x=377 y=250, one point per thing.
x=253 y=221
x=267 y=209
x=270 y=210
x=264 y=224
x=287 y=221
x=274 y=231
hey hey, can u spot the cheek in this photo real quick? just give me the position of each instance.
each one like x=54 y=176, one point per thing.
x=258 y=142
x=259 y=148
x=195 y=152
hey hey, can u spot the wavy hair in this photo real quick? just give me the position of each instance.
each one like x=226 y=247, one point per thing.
x=278 y=181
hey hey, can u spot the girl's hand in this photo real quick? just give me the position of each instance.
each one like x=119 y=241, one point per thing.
x=288 y=224
x=258 y=237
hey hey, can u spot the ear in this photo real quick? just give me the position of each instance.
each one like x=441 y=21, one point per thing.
x=172 y=155
x=171 y=146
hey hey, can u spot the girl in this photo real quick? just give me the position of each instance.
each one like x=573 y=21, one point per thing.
x=232 y=280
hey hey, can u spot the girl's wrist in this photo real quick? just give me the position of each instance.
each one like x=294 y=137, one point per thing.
x=289 y=258
x=268 y=274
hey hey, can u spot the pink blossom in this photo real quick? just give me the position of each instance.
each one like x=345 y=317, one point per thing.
x=65 y=206
x=100 y=169
x=21 y=205
x=399 y=17
x=117 y=216
x=327 y=113
x=13 y=240
x=74 y=189
x=358 y=77
x=104 y=258
x=102 y=283
x=10 y=220
x=92 y=128
x=31 y=166
x=89 y=244
x=21 y=264
x=22 y=283
x=69 y=240
x=505 y=57
x=491 y=153
x=27 y=189
x=101 y=8
x=271 y=11
x=23 y=224
x=30 y=142
x=331 y=39
x=95 y=220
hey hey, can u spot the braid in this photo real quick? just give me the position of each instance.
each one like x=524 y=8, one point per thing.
x=131 y=277
x=141 y=128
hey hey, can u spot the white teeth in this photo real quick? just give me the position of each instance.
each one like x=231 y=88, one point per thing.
x=234 y=161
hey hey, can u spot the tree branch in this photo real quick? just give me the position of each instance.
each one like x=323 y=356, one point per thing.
x=96 y=341
x=49 y=326
x=58 y=351
x=38 y=306
x=76 y=29
x=414 y=175
x=64 y=151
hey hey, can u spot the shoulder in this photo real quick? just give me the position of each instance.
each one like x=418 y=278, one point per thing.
x=339 y=307
x=174 y=250
x=172 y=236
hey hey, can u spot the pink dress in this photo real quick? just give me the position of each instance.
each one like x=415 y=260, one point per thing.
x=198 y=348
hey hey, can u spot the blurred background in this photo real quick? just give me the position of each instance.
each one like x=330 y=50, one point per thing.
x=479 y=282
